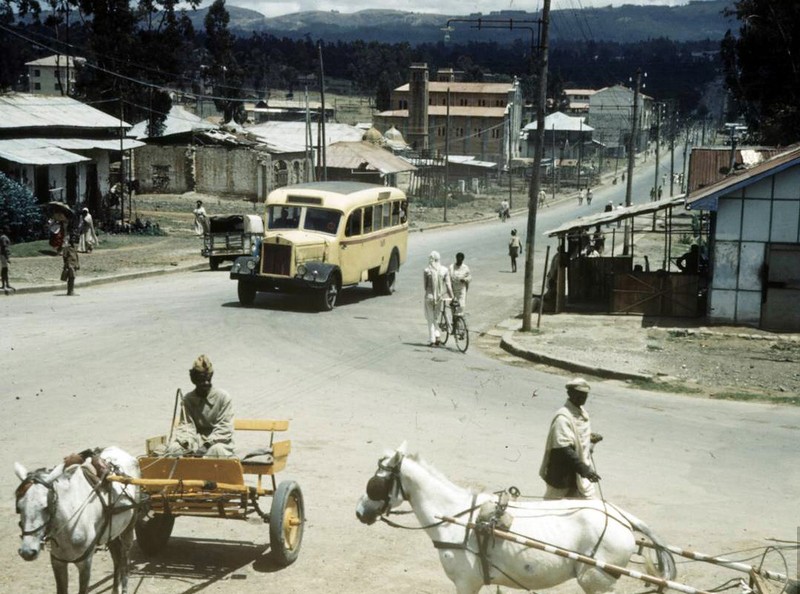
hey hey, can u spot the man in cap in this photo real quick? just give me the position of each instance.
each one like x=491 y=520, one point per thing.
x=208 y=412
x=567 y=466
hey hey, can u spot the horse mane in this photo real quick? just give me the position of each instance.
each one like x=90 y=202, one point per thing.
x=435 y=471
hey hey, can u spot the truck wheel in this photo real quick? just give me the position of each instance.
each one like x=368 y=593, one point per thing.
x=213 y=263
x=286 y=523
x=247 y=293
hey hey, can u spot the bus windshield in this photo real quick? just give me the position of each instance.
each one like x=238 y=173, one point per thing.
x=320 y=220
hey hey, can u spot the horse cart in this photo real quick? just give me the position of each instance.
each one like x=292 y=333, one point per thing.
x=228 y=488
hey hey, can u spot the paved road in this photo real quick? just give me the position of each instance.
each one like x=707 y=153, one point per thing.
x=103 y=368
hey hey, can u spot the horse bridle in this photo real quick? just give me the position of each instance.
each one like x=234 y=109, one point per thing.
x=379 y=488
x=52 y=498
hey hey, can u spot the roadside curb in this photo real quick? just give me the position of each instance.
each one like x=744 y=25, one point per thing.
x=102 y=280
x=508 y=344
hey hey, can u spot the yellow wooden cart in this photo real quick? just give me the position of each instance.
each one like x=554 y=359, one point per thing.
x=216 y=488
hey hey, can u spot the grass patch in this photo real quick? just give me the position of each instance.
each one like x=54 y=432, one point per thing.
x=663 y=386
x=753 y=397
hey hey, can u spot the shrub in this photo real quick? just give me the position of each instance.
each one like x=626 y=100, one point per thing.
x=20 y=211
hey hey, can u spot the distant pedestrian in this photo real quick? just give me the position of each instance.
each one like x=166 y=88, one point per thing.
x=88 y=236
x=504 y=210
x=619 y=222
x=588 y=195
x=514 y=248
x=660 y=190
x=71 y=265
x=581 y=194
x=200 y=219
x=460 y=277
x=5 y=257
x=599 y=240
x=542 y=198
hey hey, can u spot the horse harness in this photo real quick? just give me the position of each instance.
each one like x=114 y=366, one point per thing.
x=96 y=477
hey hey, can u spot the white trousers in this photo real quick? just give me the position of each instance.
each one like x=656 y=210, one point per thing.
x=433 y=312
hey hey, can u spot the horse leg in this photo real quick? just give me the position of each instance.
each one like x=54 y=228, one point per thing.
x=61 y=574
x=594 y=580
x=120 y=549
x=84 y=574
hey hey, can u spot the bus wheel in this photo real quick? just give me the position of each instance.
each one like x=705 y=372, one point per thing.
x=384 y=284
x=247 y=294
x=326 y=298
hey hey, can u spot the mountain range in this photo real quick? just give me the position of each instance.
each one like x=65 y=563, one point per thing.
x=696 y=21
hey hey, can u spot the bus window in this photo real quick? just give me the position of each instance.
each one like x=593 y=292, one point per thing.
x=367 y=219
x=353 y=224
x=322 y=220
x=283 y=217
x=377 y=217
x=396 y=212
x=403 y=211
x=387 y=214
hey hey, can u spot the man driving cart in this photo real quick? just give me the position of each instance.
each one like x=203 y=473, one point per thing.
x=206 y=427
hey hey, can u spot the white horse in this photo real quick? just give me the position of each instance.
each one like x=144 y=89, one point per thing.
x=588 y=527
x=62 y=507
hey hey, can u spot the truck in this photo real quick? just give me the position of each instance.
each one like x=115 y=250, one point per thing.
x=230 y=236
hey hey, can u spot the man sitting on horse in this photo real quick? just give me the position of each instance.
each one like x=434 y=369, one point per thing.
x=207 y=428
x=567 y=466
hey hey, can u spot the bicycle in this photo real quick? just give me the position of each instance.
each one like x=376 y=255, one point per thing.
x=454 y=324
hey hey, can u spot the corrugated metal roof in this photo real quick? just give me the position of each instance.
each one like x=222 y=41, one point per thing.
x=51 y=61
x=179 y=121
x=56 y=151
x=618 y=214
x=365 y=155
x=44 y=155
x=455 y=111
x=464 y=87
x=708 y=197
x=708 y=165
x=290 y=137
x=23 y=110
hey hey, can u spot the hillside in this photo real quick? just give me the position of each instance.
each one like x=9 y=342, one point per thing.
x=696 y=21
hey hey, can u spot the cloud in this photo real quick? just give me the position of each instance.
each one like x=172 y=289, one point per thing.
x=446 y=7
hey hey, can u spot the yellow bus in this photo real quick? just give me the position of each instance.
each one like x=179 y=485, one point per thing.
x=323 y=236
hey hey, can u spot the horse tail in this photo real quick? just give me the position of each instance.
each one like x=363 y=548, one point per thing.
x=664 y=559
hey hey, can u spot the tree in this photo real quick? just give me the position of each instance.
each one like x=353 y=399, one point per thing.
x=224 y=71
x=19 y=210
x=762 y=68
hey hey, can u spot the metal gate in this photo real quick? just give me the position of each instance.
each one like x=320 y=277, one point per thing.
x=656 y=294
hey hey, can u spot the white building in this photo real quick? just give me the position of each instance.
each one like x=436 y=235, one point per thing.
x=53 y=75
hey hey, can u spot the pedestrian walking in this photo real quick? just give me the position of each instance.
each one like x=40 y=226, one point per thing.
x=580 y=196
x=460 y=277
x=71 y=265
x=200 y=218
x=436 y=281
x=88 y=236
x=567 y=467
x=504 y=210
x=588 y=195
x=542 y=198
x=514 y=248
x=5 y=257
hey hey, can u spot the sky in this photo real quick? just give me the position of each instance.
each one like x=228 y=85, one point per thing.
x=272 y=8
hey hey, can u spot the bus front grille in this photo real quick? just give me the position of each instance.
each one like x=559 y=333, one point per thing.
x=276 y=259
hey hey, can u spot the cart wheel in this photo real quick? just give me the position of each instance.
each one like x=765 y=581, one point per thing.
x=286 y=523
x=153 y=532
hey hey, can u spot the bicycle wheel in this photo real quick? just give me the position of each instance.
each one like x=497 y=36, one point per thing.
x=461 y=333
x=444 y=327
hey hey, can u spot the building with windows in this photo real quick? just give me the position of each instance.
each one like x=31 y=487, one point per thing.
x=53 y=75
x=611 y=116
x=480 y=119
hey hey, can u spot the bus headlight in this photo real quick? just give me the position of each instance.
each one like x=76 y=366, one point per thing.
x=251 y=265
x=301 y=270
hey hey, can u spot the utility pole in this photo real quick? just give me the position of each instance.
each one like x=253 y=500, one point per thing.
x=323 y=148
x=447 y=154
x=508 y=162
x=632 y=152
x=533 y=190
x=658 y=148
